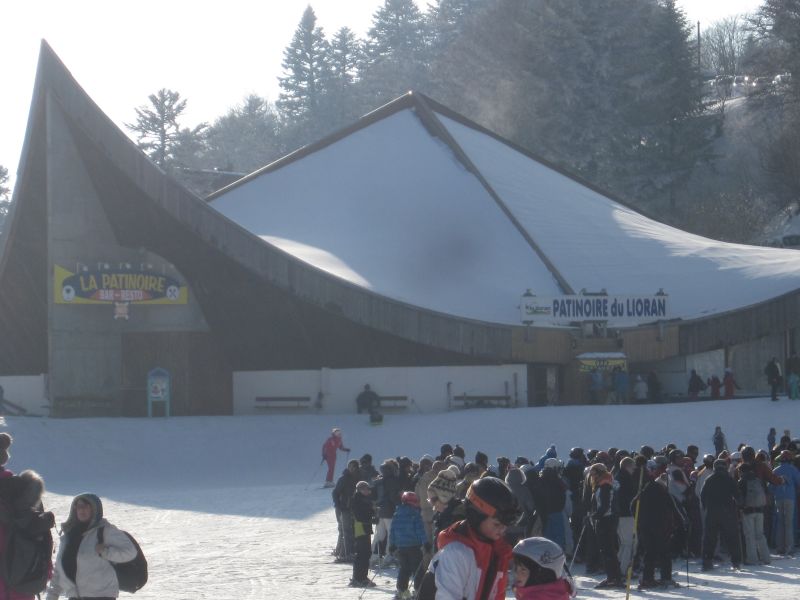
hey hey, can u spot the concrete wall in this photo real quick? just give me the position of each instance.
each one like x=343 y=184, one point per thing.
x=337 y=389
x=84 y=341
x=28 y=391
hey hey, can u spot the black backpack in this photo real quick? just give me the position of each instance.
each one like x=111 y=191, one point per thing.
x=131 y=575
x=26 y=559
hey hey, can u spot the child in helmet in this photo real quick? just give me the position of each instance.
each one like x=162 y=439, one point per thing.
x=473 y=557
x=539 y=571
x=407 y=537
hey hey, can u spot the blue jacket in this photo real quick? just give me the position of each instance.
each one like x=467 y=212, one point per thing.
x=791 y=478
x=407 y=529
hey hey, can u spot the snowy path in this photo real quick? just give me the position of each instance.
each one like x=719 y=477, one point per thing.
x=224 y=510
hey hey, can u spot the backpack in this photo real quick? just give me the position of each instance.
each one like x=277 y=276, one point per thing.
x=26 y=560
x=131 y=575
x=754 y=494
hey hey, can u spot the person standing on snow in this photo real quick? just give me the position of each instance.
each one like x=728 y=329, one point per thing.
x=363 y=513
x=473 y=559
x=342 y=498
x=604 y=519
x=329 y=448
x=539 y=571
x=774 y=377
x=719 y=441
x=407 y=538
x=729 y=383
x=83 y=566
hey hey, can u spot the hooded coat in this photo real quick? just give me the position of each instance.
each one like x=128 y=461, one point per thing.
x=95 y=577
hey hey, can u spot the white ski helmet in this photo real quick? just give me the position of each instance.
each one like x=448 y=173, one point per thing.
x=543 y=552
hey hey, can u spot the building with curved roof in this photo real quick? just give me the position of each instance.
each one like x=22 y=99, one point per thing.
x=414 y=237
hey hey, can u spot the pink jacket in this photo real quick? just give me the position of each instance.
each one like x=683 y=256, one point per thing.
x=558 y=590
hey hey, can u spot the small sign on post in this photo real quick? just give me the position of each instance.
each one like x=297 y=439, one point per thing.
x=158 y=390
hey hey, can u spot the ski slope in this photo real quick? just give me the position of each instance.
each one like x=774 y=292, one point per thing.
x=231 y=508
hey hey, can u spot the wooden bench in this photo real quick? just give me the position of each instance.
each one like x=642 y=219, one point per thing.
x=273 y=402
x=467 y=401
x=84 y=406
x=394 y=403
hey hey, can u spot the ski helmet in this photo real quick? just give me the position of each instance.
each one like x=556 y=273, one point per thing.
x=748 y=454
x=410 y=498
x=577 y=454
x=491 y=497
x=708 y=460
x=543 y=552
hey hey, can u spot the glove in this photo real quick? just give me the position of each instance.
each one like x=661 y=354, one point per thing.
x=392 y=549
x=428 y=547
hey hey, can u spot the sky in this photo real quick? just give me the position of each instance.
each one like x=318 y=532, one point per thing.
x=213 y=53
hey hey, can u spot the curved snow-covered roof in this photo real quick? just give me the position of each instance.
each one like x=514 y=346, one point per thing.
x=429 y=209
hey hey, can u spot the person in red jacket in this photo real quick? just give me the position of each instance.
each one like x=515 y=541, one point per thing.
x=329 y=448
x=729 y=383
x=539 y=571
x=473 y=557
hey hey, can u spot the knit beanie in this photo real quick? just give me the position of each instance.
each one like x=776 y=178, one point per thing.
x=5 y=444
x=443 y=486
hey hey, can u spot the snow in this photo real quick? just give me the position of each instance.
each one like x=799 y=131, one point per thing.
x=390 y=209
x=232 y=508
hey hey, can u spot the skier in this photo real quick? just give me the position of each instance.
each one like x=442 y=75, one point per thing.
x=785 y=502
x=362 y=528
x=407 y=538
x=329 y=448
x=604 y=518
x=719 y=497
x=657 y=517
x=342 y=497
x=539 y=571
x=474 y=557
x=754 y=502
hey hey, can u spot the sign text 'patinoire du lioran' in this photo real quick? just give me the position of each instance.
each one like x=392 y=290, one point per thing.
x=619 y=310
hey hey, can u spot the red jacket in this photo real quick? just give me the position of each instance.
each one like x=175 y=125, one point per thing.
x=331 y=445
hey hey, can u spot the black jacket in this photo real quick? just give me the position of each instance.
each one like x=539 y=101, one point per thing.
x=345 y=488
x=363 y=512
x=626 y=492
x=719 y=492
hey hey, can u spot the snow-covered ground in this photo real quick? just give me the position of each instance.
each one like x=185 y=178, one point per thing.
x=231 y=508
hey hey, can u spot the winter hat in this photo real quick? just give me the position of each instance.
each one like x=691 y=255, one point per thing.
x=459 y=451
x=361 y=485
x=454 y=470
x=481 y=458
x=627 y=464
x=661 y=460
x=552 y=463
x=443 y=486
x=551 y=452
x=445 y=451
x=410 y=498
x=5 y=444
x=438 y=465
x=366 y=459
x=720 y=465
x=471 y=469
x=336 y=431
x=425 y=457
x=521 y=460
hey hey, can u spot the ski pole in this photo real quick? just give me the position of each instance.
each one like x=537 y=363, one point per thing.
x=372 y=579
x=578 y=545
x=314 y=476
x=633 y=542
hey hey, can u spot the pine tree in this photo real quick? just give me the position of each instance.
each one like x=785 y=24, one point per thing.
x=345 y=60
x=398 y=30
x=157 y=125
x=446 y=19
x=306 y=72
x=245 y=138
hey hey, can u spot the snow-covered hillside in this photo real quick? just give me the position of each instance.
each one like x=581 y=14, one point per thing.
x=231 y=508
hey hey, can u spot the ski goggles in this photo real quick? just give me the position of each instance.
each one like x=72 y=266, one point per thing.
x=508 y=516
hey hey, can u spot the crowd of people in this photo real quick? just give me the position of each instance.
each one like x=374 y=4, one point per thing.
x=89 y=543
x=456 y=528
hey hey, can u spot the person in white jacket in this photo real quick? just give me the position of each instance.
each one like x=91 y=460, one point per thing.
x=83 y=566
